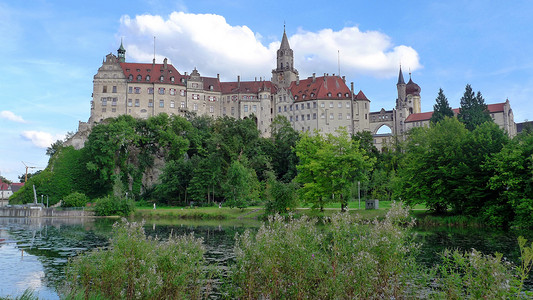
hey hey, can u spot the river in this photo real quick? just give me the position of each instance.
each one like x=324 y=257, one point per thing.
x=34 y=252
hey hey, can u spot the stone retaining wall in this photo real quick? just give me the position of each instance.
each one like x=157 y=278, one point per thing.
x=41 y=212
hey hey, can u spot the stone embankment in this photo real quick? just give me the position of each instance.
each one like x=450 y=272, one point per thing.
x=42 y=212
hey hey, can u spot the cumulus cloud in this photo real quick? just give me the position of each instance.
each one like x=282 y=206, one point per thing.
x=11 y=116
x=207 y=42
x=41 y=139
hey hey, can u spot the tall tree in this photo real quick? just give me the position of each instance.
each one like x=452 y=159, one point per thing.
x=241 y=186
x=473 y=111
x=441 y=109
x=328 y=167
x=284 y=138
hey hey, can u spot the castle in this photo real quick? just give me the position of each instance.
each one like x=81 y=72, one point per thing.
x=323 y=103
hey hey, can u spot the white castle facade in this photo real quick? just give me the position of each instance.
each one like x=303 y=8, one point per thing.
x=322 y=103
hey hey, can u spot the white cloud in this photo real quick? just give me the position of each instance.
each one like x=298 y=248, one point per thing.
x=41 y=139
x=209 y=43
x=11 y=116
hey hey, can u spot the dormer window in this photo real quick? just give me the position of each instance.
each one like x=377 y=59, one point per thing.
x=130 y=77
x=210 y=87
x=303 y=96
x=127 y=70
x=148 y=70
x=147 y=77
x=138 y=70
x=339 y=95
x=139 y=77
x=162 y=78
x=329 y=94
x=295 y=97
x=347 y=95
x=172 y=79
x=182 y=80
x=312 y=94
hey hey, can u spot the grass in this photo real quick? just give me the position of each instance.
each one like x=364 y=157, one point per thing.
x=198 y=213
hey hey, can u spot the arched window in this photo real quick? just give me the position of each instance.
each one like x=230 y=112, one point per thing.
x=162 y=78
x=147 y=77
x=139 y=77
x=130 y=77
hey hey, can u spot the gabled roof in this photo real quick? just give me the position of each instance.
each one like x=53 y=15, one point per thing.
x=361 y=96
x=425 y=116
x=245 y=87
x=211 y=81
x=324 y=88
x=154 y=70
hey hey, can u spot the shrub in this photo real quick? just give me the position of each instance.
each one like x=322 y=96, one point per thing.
x=281 y=197
x=75 y=200
x=137 y=267
x=109 y=206
x=346 y=259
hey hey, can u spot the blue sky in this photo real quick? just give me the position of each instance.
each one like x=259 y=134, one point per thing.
x=51 y=50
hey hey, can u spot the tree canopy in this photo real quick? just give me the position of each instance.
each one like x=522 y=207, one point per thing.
x=441 y=109
x=473 y=110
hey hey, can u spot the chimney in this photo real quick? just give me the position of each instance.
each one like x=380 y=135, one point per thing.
x=165 y=63
x=314 y=77
x=218 y=77
x=333 y=74
x=297 y=80
x=351 y=87
x=344 y=79
x=185 y=74
x=239 y=81
x=255 y=78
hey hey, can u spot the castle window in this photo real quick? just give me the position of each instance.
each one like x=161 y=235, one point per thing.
x=347 y=116
x=114 y=102
x=211 y=87
x=279 y=109
x=113 y=110
x=308 y=117
x=290 y=107
x=161 y=91
x=138 y=70
x=339 y=105
x=290 y=118
x=285 y=108
x=195 y=107
x=161 y=103
x=340 y=116
x=137 y=90
x=223 y=111
x=130 y=90
x=302 y=107
x=150 y=90
x=139 y=77
x=128 y=70
x=182 y=80
x=308 y=105
x=339 y=95
x=329 y=94
x=296 y=118
x=130 y=77
x=211 y=109
x=162 y=78
x=314 y=116
x=147 y=77
x=245 y=108
x=172 y=104
x=347 y=104
x=150 y=103
x=322 y=104
x=303 y=96
x=182 y=105
x=182 y=92
x=331 y=104
x=114 y=89
x=254 y=108
x=137 y=103
x=172 y=91
x=233 y=111
x=347 y=95
x=331 y=116
x=104 y=101
x=104 y=89
x=172 y=79
x=295 y=97
x=312 y=94
x=104 y=109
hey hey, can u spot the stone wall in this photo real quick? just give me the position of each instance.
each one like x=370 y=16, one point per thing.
x=41 y=212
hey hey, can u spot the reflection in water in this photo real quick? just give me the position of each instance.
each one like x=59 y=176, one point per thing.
x=34 y=252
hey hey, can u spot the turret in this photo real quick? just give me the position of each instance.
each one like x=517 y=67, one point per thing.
x=121 y=53
x=285 y=73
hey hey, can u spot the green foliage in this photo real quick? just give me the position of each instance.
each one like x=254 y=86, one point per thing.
x=284 y=139
x=343 y=260
x=280 y=197
x=241 y=186
x=473 y=111
x=441 y=109
x=446 y=166
x=112 y=206
x=513 y=169
x=75 y=199
x=174 y=182
x=328 y=167
x=137 y=267
x=473 y=275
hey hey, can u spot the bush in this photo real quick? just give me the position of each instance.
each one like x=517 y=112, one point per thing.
x=137 y=267
x=75 y=200
x=281 y=197
x=344 y=260
x=110 y=206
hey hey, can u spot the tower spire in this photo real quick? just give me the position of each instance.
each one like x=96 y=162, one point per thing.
x=121 y=52
x=400 y=77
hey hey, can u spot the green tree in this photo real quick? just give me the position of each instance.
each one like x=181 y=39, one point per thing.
x=281 y=197
x=284 y=138
x=241 y=185
x=513 y=178
x=430 y=170
x=473 y=110
x=174 y=182
x=329 y=165
x=441 y=109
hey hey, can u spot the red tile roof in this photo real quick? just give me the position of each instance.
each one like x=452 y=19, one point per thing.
x=361 y=96
x=244 y=87
x=325 y=87
x=154 y=70
x=425 y=116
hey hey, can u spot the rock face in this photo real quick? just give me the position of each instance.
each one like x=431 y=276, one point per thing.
x=79 y=138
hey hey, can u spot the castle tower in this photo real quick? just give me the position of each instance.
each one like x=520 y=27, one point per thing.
x=121 y=53
x=400 y=86
x=412 y=92
x=285 y=73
